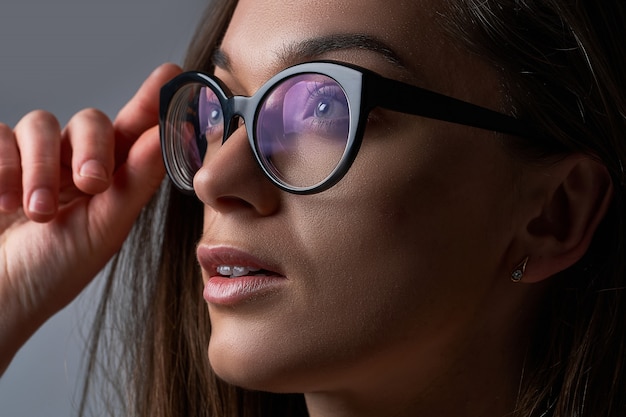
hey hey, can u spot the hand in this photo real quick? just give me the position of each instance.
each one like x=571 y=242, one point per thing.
x=68 y=199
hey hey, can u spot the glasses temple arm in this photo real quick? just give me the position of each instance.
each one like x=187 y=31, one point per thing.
x=409 y=99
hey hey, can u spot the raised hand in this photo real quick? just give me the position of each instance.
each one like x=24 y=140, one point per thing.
x=68 y=198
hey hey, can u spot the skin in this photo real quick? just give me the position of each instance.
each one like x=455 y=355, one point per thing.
x=397 y=277
x=395 y=298
x=51 y=246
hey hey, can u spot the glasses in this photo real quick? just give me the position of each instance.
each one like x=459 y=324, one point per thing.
x=305 y=125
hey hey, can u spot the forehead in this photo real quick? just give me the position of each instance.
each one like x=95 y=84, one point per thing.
x=262 y=27
x=262 y=30
x=391 y=18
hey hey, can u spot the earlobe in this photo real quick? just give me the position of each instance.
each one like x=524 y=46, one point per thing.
x=578 y=193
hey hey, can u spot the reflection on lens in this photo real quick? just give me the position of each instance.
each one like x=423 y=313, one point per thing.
x=302 y=129
x=210 y=120
x=194 y=124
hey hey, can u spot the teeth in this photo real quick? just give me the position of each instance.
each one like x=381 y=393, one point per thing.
x=235 y=271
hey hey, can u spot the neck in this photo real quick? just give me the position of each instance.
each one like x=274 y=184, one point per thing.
x=479 y=375
x=489 y=391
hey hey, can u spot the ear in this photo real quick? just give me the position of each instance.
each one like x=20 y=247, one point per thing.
x=576 y=193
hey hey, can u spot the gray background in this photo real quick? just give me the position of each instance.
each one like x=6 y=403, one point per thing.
x=62 y=56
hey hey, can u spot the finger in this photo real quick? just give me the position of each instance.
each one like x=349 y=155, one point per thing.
x=90 y=135
x=38 y=137
x=10 y=171
x=142 y=111
x=140 y=170
x=132 y=186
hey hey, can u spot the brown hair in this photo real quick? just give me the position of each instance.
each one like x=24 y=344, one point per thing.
x=564 y=67
x=564 y=64
x=149 y=342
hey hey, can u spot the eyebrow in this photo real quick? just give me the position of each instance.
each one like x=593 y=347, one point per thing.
x=315 y=47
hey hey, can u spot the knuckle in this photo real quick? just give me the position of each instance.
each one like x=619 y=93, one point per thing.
x=9 y=166
x=91 y=116
x=9 y=155
x=39 y=120
x=89 y=124
x=37 y=127
x=5 y=130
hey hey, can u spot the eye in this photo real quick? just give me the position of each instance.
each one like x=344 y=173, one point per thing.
x=327 y=102
x=324 y=108
x=316 y=106
x=214 y=117
x=329 y=110
x=305 y=109
x=210 y=116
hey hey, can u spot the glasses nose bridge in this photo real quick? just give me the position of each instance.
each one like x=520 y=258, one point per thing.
x=238 y=107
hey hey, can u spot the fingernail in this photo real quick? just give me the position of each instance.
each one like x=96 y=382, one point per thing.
x=41 y=202
x=93 y=169
x=10 y=201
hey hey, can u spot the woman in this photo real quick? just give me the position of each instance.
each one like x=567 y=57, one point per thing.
x=466 y=259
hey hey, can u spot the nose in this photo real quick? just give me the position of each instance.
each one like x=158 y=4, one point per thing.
x=231 y=179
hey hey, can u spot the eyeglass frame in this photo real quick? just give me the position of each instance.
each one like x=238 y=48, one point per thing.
x=360 y=85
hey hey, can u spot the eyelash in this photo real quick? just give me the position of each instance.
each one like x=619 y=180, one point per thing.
x=320 y=91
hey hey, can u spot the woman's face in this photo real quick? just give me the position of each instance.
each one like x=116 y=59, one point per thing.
x=395 y=274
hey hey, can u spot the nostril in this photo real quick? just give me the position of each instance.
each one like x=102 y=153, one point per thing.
x=231 y=180
x=228 y=203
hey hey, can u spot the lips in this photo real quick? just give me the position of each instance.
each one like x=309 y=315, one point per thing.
x=236 y=276
x=212 y=258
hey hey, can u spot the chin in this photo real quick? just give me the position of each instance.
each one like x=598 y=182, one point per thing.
x=245 y=369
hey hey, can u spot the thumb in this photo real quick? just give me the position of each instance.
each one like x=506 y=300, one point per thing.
x=134 y=183
x=140 y=168
x=142 y=111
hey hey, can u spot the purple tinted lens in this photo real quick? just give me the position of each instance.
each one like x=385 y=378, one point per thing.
x=210 y=122
x=210 y=116
x=194 y=129
x=303 y=128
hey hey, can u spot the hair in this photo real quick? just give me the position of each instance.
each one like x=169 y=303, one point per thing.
x=149 y=340
x=563 y=62
x=563 y=65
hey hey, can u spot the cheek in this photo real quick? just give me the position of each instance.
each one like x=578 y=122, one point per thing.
x=378 y=284
x=411 y=232
x=391 y=260
x=367 y=256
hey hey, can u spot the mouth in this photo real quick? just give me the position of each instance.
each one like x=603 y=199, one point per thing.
x=236 y=271
x=234 y=277
x=230 y=262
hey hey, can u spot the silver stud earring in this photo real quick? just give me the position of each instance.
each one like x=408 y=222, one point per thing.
x=518 y=273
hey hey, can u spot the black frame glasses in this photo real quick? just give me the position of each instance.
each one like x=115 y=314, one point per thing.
x=363 y=89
